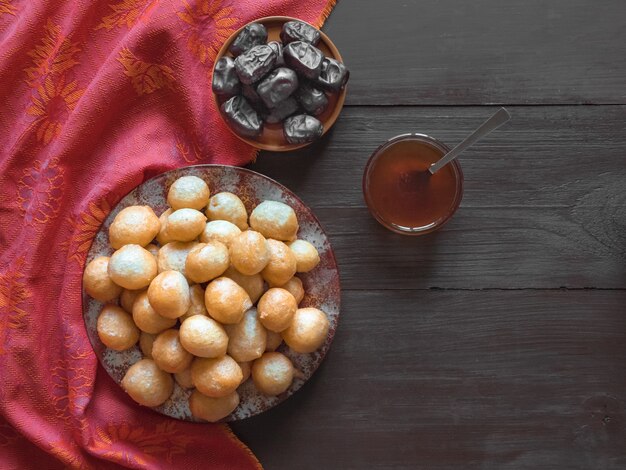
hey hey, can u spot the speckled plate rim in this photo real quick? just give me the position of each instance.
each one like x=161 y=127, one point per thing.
x=91 y=306
x=328 y=123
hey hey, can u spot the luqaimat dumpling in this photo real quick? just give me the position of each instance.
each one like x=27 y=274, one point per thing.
x=132 y=267
x=186 y=224
x=97 y=282
x=249 y=252
x=219 y=230
x=216 y=377
x=277 y=308
x=188 y=192
x=207 y=261
x=227 y=206
x=168 y=352
x=246 y=339
x=226 y=301
x=212 y=409
x=197 y=307
x=173 y=256
x=275 y=220
x=116 y=329
x=134 y=225
x=306 y=255
x=163 y=237
x=146 y=318
x=169 y=294
x=282 y=264
x=147 y=384
x=253 y=285
x=308 y=330
x=295 y=288
x=203 y=337
x=272 y=373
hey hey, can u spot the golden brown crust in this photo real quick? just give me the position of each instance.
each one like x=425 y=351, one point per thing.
x=147 y=384
x=212 y=409
x=146 y=318
x=227 y=206
x=188 y=192
x=226 y=301
x=169 y=354
x=216 y=377
x=97 y=282
x=307 y=331
x=132 y=267
x=277 y=308
x=169 y=294
x=134 y=225
x=272 y=373
x=116 y=328
x=282 y=264
x=203 y=337
x=249 y=252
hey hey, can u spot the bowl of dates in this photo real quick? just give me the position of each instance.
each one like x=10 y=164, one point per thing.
x=279 y=83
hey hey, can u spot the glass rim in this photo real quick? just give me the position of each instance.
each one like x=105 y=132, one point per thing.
x=413 y=231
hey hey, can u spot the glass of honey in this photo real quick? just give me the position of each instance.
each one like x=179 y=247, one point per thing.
x=402 y=194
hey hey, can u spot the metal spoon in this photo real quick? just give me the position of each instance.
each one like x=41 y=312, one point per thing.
x=485 y=128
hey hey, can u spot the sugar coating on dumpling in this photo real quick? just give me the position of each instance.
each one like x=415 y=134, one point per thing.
x=246 y=339
x=134 y=225
x=277 y=308
x=188 y=192
x=116 y=328
x=203 y=337
x=272 y=373
x=197 y=307
x=147 y=384
x=168 y=352
x=132 y=267
x=219 y=230
x=253 y=284
x=249 y=252
x=97 y=282
x=173 y=256
x=146 y=318
x=294 y=287
x=282 y=264
x=227 y=206
x=163 y=236
x=226 y=301
x=275 y=220
x=216 y=377
x=146 y=340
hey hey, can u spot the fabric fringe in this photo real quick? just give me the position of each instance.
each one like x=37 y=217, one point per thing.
x=325 y=13
x=242 y=446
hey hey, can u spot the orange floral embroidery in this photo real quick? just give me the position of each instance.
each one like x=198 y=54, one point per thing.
x=146 y=77
x=13 y=294
x=54 y=54
x=119 y=442
x=85 y=229
x=6 y=7
x=70 y=454
x=209 y=25
x=127 y=12
x=190 y=153
x=55 y=102
x=40 y=190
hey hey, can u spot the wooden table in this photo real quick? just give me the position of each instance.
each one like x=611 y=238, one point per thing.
x=500 y=341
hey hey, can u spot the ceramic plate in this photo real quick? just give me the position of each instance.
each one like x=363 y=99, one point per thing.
x=321 y=285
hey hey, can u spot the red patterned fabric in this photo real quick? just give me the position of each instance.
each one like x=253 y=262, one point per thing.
x=96 y=97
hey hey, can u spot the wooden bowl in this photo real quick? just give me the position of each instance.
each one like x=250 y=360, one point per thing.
x=272 y=137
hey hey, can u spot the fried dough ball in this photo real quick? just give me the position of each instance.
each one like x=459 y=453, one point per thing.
x=206 y=261
x=97 y=282
x=132 y=267
x=282 y=264
x=294 y=286
x=273 y=340
x=219 y=230
x=184 y=225
x=249 y=252
x=188 y=191
x=226 y=301
x=245 y=370
x=277 y=308
x=272 y=373
x=147 y=384
x=307 y=331
x=203 y=337
x=173 y=256
x=134 y=225
x=216 y=377
x=128 y=297
x=169 y=354
x=253 y=285
x=197 y=307
x=212 y=409
x=146 y=318
x=246 y=339
x=227 y=206
x=275 y=220
x=116 y=329
x=184 y=378
x=152 y=248
x=306 y=255
x=163 y=236
x=169 y=294
x=146 y=340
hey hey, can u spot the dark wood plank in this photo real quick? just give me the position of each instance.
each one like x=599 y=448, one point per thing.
x=543 y=205
x=482 y=52
x=440 y=379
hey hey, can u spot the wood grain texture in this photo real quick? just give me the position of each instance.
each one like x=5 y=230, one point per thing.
x=460 y=379
x=482 y=52
x=543 y=205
